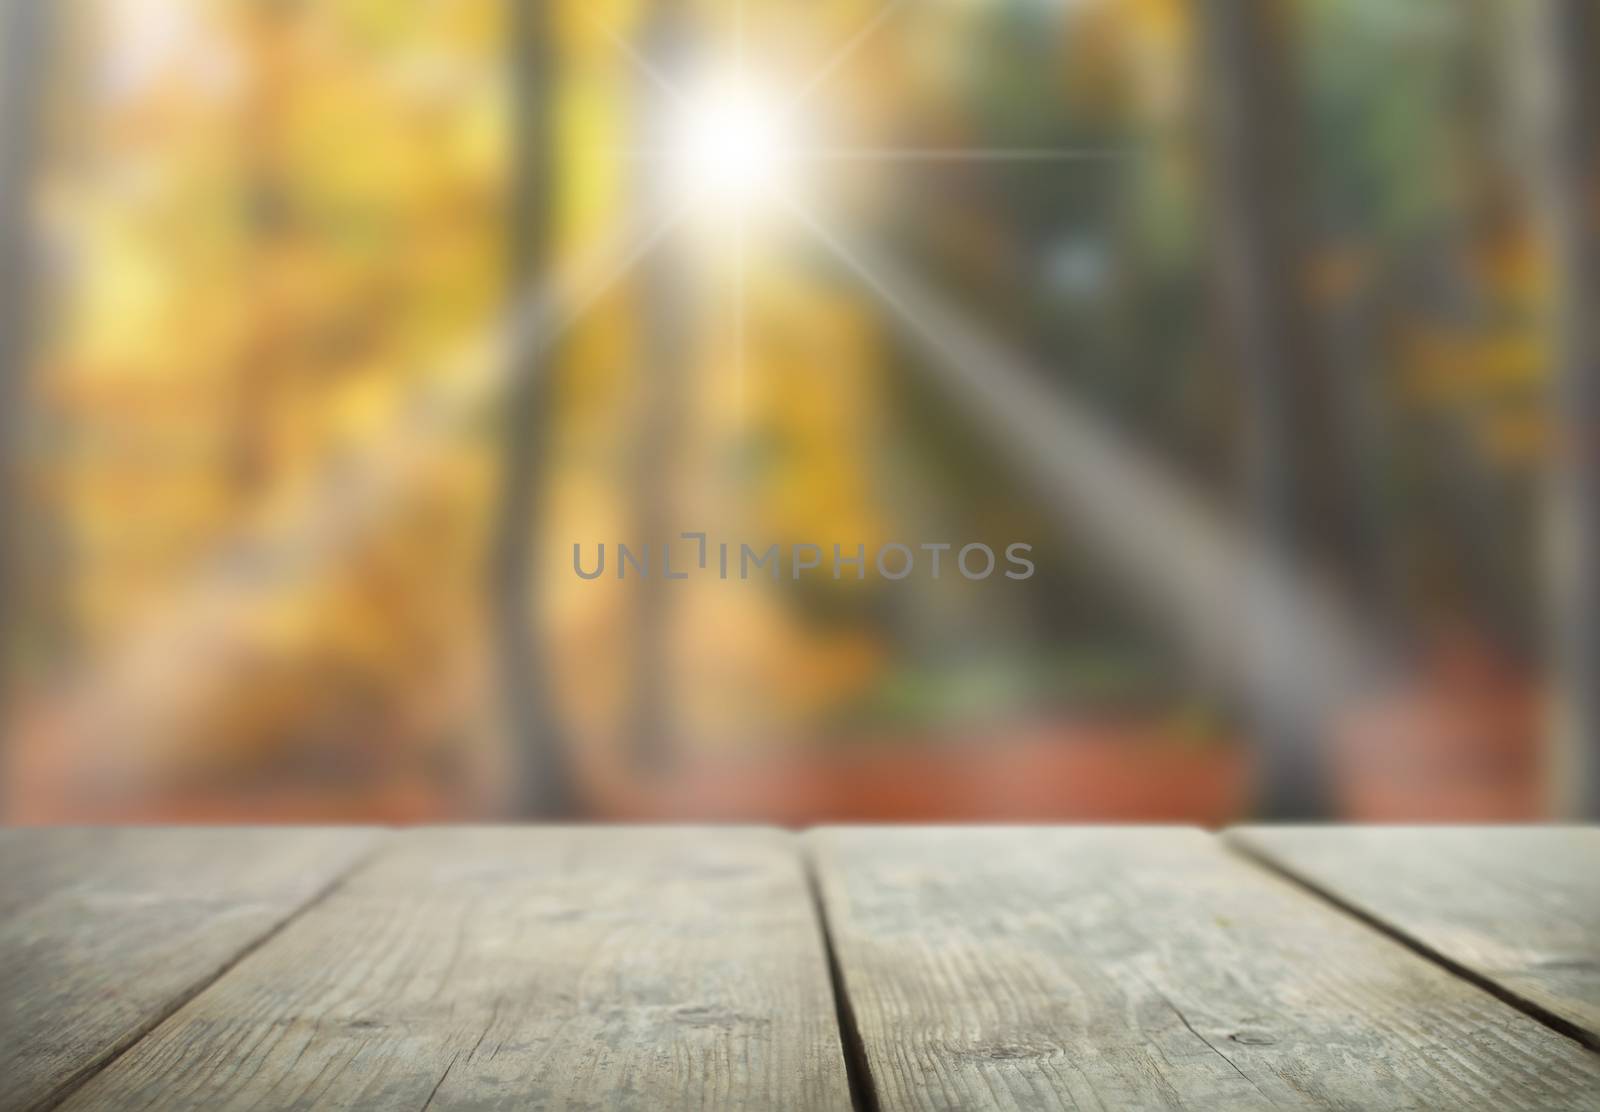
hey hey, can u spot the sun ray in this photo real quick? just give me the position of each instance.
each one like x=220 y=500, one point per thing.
x=741 y=263
x=741 y=259
x=964 y=154
x=824 y=73
x=741 y=41
x=1196 y=567
x=548 y=313
x=642 y=64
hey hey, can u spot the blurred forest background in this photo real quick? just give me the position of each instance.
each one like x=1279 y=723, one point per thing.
x=308 y=396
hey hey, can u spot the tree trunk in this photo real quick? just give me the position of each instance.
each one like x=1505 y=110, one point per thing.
x=25 y=33
x=1567 y=55
x=543 y=778
x=1298 y=489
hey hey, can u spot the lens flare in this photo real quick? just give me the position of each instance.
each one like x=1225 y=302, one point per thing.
x=732 y=145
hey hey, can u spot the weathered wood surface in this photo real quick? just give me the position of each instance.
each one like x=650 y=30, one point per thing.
x=662 y=968
x=1150 y=968
x=482 y=968
x=104 y=932
x=1516 y=906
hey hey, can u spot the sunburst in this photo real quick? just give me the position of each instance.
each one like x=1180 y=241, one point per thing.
x=738 y=151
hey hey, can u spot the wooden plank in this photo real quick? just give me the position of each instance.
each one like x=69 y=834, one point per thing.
x=1150 y=968
x=483 y=968
x=103 y=933
x=1517 y=907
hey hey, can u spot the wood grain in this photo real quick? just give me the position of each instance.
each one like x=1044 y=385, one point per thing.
x=103 y=933
x=1150 y=968
x=1518 y=907
x=481 y=968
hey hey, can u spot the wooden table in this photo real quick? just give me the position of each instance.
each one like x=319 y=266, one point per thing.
x=891 y=968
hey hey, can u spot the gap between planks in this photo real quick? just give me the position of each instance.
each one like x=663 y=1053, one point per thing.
x=82 y=1077
x=938 y=921
x=1530 y=1008
x=858 y=1071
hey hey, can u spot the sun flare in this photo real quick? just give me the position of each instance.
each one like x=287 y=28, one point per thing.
x=732 y=144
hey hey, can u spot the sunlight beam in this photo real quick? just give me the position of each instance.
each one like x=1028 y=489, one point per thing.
x=824 y=73
x=1194 y=567
x=964 y=154
x=642 y=64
